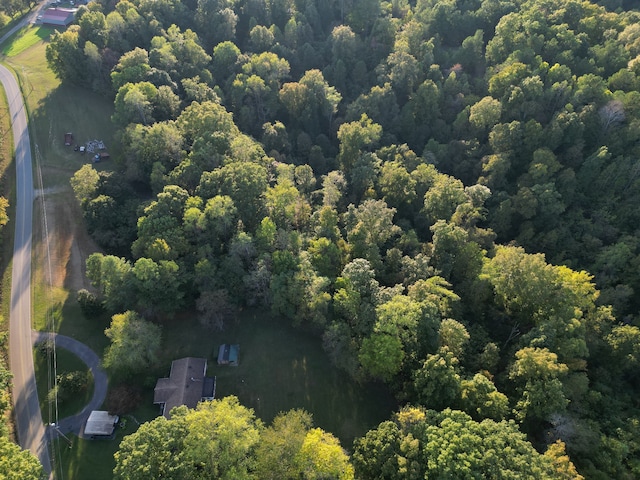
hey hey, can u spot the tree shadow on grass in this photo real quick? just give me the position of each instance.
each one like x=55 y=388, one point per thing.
x=66 y=362
x=281 y=368
x=79 y=111
x=26 y=37
x=68 y=319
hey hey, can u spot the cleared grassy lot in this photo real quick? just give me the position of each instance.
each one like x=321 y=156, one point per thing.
x=281 y=368
x=26 y=38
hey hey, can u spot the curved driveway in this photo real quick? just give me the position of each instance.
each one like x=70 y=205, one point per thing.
x=74 y=423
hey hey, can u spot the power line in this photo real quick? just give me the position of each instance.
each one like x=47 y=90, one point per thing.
x=50 y=318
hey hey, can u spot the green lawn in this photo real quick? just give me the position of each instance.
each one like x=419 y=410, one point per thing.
x=25 y=38
x=66 y=362
x=88 y=459
x=56 y=109
x=282 y=368
x=71 y=321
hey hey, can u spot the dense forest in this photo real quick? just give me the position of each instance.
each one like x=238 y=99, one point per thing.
x=445 y=191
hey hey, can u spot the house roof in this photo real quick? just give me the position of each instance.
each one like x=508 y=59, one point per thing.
x=100 y=423
x=209 y=388
x=184 y=386
x=58 y=16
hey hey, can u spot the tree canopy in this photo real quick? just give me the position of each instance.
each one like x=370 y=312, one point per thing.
x=428 y=444
x=223 y=439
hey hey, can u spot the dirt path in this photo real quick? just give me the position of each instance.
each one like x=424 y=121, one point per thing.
x=69 y=244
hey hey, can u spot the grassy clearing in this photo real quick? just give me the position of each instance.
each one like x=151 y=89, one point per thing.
x=47 y=305
x=281 y=368
x=56 y=109
x=83 y=113
x=89 y=458
x=53 y=111
x=66 y=362
x=26 y=38
x=57 y=303
x=72 y=322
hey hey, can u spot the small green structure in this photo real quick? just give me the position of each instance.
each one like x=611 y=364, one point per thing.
x=228 y=354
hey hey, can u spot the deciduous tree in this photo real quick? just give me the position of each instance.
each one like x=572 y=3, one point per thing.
x=65 y=56
x=17 y=463
x=437 y=382
x=354 y=137
x=111 y=276
x=156 y=449
x=426 y=444
x=279 y=445
x=321 y=456
x=135 y=345
x=538 y=375
x=222 y=438
x=85 y=183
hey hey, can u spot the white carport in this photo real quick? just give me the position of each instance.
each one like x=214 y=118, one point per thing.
x=100 y=423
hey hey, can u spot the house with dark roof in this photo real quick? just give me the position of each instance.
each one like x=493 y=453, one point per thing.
x=187 y=384
x=61 y=17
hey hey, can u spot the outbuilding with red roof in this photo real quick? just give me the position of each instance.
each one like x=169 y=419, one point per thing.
x=61 y=17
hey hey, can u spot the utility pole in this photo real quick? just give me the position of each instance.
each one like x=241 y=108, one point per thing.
x=67 y=439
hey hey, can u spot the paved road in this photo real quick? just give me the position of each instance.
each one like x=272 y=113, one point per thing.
x=30 y=430
x=28 y=418
x=75 y=423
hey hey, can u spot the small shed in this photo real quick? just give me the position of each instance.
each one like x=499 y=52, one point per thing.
x=100 y=424
x=228 y=354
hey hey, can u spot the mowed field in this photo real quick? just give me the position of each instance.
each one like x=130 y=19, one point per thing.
x=280 y=367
